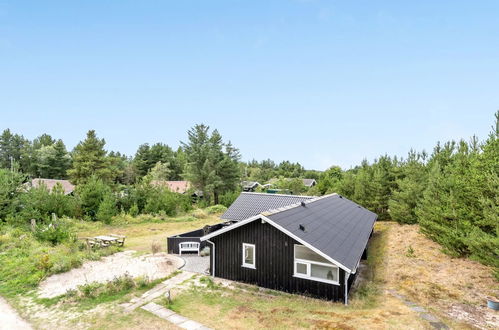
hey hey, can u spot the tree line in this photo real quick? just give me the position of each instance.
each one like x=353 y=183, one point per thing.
x=452 y=193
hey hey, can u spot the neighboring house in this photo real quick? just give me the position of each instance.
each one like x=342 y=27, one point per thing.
x=245 y=206
x=176 y=186
x=50 y=184
x=309 y=183
x=250 y=185
x=311 y=247
x=180 y=187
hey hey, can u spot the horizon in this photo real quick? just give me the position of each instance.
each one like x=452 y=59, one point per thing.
x=314 y=82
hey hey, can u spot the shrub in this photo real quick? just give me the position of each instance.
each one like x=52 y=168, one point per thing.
x=216 y=209
x=54 y=233
x=410 y=252
x=134 y=210
x=199 y=214
x=107 y=209
x=228 y=198
x=91 y=195
x=155 y=247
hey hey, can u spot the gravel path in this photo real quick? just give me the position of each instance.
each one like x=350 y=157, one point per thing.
x=153 y=266
x=196 y=264
x=9 y=319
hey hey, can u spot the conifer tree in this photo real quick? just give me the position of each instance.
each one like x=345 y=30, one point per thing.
x=89 y=158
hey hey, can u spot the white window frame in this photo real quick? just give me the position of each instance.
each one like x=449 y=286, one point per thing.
x=309 y=264
x=252 y=266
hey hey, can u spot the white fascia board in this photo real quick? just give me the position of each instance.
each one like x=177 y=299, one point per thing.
x=285 y=231
x=230 y=227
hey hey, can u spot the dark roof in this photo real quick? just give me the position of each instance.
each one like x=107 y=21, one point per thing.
x=251 y=204
x=333 y=224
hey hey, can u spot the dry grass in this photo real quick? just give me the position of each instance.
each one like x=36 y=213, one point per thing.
x=237 y=306
x=140 y=236
x=435 y=280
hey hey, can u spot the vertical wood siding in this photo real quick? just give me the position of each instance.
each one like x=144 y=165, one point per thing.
x=274 y=262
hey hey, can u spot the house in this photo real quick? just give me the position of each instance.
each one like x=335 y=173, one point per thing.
x=309 y=183
x=51 y=183
x=180 y=187
x=311 y=247
x=245 y=206
x=250 y=185
x=250 y=204
x=176 y=186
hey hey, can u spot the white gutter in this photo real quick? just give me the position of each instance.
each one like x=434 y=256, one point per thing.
x=347 y=275
x=213 y=263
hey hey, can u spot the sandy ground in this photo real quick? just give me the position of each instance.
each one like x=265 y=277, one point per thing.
x=9 y=319
x=106 y=269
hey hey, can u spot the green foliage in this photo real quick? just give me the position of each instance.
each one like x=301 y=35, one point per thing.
x=161 y=200
x=10 y=189
x=409 y=189
x=89 y=160
x=54 y=233
x=40 y=204
x=229 y=197
x=216 y=209
x=107 y=209
x=410 y=252
x=26 y=260
x=212 y=165
x=92 y=194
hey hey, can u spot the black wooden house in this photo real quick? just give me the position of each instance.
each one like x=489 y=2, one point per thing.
x=310 y=246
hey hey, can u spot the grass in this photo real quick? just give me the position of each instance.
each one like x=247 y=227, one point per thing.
x=25 y=261
x=242 y=306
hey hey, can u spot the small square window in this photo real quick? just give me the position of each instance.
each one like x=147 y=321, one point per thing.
x=301 y=268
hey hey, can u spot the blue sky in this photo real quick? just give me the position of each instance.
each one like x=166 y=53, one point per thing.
x=318 y=82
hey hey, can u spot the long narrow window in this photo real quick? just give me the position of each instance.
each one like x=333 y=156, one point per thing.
x=249 y=255
x=312 y=266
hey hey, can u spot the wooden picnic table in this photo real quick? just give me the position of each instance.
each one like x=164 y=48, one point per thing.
x=105 y=240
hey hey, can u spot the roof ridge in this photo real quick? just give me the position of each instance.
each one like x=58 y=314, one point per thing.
x=292 y=206
x=280 y=195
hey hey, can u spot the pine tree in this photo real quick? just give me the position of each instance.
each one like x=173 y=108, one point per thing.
x=212 y=166
x=89 y=158
x=409 y=191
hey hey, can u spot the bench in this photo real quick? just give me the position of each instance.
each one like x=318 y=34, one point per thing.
x=188 y=247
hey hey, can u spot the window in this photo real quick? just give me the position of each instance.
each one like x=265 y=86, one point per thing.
x=248 y=255
x=312 y=266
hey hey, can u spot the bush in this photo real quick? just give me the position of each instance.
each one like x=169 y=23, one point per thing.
x=199 y=214
x=134 y=210
x=54 y=233
x=91 y=195
x=107 y=209
x=155 y=247
x=228 y=198
x=216 y=209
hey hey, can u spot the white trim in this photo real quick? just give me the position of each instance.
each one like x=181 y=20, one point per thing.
x=246 y=265
x=325 y=256
x=213 y=262
x=309 y=264
x=230 y=227
x=347 y=275
x=275 y=225
x=316 y=279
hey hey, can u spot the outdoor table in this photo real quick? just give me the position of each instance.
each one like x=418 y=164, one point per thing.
x=106 y=239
